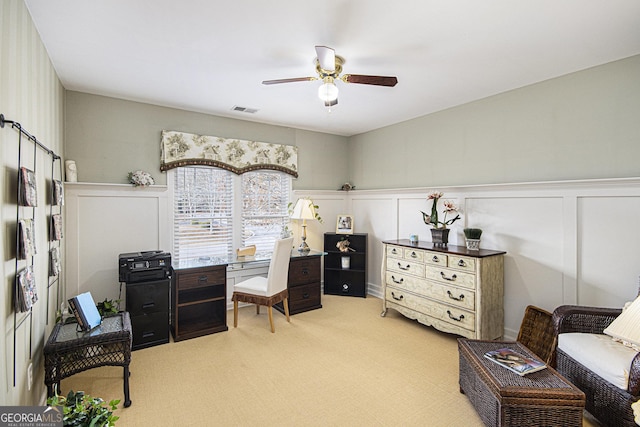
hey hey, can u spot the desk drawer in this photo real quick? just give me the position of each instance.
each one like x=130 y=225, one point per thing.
x=201 y=278
x=305 y=296
x=303 y=271
x=148 y=297
x=150 y=329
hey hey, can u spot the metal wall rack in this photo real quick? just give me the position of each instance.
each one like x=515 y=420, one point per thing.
x=18 y=320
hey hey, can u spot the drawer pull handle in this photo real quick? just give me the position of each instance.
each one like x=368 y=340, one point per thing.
x=451 y=279
x=461 y=263
x=148 y=305
x=305 y=272
x=202 y=279
x=457 y=319
x=396 y=280
x=403 y=268
x=393 y=295
x=393 y=251
x=414 y=255
x=435 y=259
x=305 y=296
x=148 y=334
x=460 y=298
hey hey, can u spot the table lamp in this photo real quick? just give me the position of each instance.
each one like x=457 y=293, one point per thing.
x=304 y=210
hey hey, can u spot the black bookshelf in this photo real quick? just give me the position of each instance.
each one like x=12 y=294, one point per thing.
x=341 y=279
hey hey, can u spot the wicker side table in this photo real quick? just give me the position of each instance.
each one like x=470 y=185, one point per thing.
x=69 y=351
x=503 y=398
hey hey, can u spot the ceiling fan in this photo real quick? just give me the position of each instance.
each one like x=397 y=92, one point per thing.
x=329 y=67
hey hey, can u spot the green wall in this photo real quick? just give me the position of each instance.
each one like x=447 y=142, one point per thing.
x=580 y=126
x=32 y=95
x=109 y=137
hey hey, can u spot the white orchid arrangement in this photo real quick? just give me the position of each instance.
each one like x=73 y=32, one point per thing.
x=141 y=178
x=449 y=208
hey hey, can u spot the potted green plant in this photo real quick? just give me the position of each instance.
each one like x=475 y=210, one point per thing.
x=472 y=237
x=80 y=409
x=108 y=307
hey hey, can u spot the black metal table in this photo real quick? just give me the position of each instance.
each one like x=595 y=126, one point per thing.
x=69 y=351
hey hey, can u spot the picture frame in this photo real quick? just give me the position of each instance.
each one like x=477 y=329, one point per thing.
x=344 y=224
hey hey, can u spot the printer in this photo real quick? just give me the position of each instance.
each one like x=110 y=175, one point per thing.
x=144 y=266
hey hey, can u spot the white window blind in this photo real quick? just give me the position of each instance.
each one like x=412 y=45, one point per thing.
x=265 y=197
x=203 y=212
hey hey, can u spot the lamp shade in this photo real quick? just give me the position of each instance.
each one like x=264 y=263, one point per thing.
x=303 y=210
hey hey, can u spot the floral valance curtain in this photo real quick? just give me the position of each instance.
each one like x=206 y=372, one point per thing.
x=236 y=155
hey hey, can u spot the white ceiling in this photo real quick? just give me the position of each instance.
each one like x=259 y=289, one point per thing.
x=211 y=55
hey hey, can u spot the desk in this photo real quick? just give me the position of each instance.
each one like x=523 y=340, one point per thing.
x=68 y=351
x=199 y=291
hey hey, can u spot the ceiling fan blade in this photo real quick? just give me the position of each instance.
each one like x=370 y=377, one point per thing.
x=330 y=103
x=326 y=58
x=295 y=79
x=370 y=80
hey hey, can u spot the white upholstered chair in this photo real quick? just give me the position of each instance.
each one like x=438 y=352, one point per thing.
x=268 y=290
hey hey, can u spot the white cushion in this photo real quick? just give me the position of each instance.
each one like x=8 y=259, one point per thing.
x=256 y=286
x=625 y=326
x=600 y=354
x=636 y=412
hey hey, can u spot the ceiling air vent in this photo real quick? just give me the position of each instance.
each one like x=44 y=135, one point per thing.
x=244 y=109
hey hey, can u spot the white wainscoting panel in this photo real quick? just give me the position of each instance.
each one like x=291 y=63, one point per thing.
x=103 y=221
x=378 y=216
x=608 y=255
x=534 y=260
x=573 y=242
x=569 y=242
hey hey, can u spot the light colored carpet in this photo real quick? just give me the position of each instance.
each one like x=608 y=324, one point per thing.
x=342 y=365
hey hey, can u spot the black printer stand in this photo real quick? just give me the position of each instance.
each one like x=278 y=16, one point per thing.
x=147 y=276
x=148 y=306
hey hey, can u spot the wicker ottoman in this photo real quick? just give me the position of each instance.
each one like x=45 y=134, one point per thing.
x=503 y=398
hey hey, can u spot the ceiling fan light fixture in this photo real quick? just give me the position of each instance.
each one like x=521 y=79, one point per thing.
x=328 y=91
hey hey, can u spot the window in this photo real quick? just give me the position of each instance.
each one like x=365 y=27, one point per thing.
x=265 y=196
x=216 y=211
x=202 y=212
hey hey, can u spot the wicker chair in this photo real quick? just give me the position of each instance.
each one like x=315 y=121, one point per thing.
x=609 y=404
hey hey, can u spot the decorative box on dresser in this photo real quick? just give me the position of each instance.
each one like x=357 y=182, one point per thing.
x=453 y=289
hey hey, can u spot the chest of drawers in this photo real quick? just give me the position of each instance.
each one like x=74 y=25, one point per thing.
x=452 y=289
x=148 y=306
x=303 y=284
